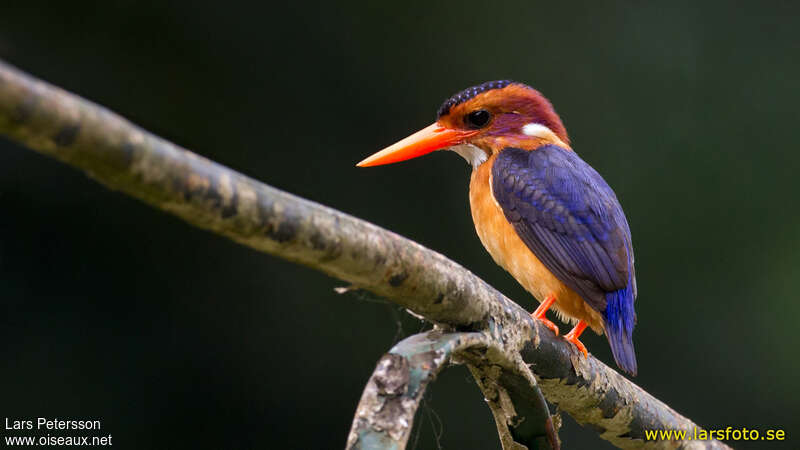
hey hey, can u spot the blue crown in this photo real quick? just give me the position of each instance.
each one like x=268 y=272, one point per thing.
x=469 y=93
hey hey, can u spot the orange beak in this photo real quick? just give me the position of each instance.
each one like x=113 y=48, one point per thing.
x=424 y=141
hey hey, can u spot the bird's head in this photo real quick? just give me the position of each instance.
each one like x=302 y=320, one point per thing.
x=480 y=121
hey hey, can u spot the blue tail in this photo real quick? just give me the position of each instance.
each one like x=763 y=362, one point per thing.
x=620 y=318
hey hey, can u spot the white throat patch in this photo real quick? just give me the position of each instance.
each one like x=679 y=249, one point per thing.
x=474 y=155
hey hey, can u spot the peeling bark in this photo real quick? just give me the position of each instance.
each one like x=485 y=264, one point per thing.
x=205 y=194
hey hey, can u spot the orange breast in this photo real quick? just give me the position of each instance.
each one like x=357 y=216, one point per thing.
x=508 y=250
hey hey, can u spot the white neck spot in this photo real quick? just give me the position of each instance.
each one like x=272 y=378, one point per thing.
x=537 y=130
x=474 y=155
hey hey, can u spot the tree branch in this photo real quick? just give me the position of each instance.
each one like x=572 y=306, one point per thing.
x=124 y=157
x=385 y=415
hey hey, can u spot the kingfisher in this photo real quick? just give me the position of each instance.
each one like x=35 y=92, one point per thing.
x=542 y=213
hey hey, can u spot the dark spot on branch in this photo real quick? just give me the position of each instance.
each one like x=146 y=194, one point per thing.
x=637 y=426
x=472 y=326
x=212 y=194
x=127 y=151
x=283 y=232
x=610 y=403
x=216 y=200
x=439 y=299
x=318 y=241
x=67 y=135
x=322 y=242
x=25 y=110
x=280 y=224
x=391 y=375
x=378 y=259
x=398 y=279
x=558 y=366
x=189 y=192
x=453 y=292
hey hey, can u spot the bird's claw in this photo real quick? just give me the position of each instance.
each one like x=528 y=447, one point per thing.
x=546 y=322
x=574 y=339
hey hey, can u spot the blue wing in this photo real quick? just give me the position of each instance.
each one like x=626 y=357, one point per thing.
x=569 y=218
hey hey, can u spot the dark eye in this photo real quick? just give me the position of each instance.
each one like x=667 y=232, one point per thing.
x=478 y=118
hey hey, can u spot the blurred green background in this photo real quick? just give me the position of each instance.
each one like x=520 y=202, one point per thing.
x=176 y=338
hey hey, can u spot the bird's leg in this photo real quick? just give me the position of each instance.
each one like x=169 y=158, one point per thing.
x=540 y=312
x=574 y=334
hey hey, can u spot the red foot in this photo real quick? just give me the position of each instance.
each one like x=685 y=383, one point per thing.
x=573 y=335
x=542 y=310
